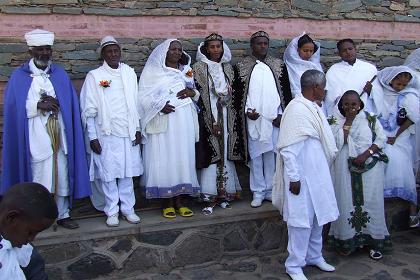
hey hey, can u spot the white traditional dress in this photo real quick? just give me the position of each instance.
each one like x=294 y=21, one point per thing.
x=413 y=61
x=306 y=146
x=359 y=193
x=42 y=159
x=111 y=116
x=342 y=77
x=169 y=139
x=218 y=87
x=399 y=175
x=296 y=66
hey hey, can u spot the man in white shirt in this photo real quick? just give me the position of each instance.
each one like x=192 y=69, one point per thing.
x=109 y=102
x=349 y=74
x=303 y=190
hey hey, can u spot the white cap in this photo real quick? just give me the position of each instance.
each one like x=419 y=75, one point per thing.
x=106 y=41
x=39 y=37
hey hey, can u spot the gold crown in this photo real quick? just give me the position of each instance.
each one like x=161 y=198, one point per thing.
x=213 y=37
x=260 y=34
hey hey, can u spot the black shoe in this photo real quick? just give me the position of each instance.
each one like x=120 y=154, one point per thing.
x=68 y=223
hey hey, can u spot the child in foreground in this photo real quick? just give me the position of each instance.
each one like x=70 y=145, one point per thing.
x=26 y=209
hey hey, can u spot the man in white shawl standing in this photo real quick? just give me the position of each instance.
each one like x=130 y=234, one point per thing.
x=303 y=189
x=349 y=74
x=259 y=84
x=110 y=112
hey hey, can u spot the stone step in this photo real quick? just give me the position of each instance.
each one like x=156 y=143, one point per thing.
x=158 y=245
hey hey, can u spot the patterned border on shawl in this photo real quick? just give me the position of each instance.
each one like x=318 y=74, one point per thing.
x=352 y=244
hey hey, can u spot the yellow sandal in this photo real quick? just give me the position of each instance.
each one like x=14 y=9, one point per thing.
x=185 y=212
x=169 y=213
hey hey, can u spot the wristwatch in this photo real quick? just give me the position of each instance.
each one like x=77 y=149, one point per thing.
x=370 y=152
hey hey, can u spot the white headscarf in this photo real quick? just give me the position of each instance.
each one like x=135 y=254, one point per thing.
x=296 y=66
x=156 y=80
x=215 y=68
x=413 y=60
x=384 y=95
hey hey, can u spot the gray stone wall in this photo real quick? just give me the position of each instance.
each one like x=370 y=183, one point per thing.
x=79 y=56
x=162 y=251
x=398 y=10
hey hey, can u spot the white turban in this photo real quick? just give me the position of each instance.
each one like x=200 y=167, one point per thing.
x=39 y=37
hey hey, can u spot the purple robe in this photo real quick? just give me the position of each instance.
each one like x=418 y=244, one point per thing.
x=16 y=160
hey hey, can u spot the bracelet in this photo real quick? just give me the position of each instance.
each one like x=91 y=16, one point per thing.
x=346 y=127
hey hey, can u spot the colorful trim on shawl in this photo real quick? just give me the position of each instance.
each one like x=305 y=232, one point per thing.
x=359 y=240
x=402 y=193
x=167 y=192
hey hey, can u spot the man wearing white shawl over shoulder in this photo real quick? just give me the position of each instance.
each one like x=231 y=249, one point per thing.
x=257 y=82
x=349 y=74
x=109 y=101
x=303 y=190
x=170 y=128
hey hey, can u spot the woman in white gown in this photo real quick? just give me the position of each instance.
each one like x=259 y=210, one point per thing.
x=397 y=105
x=215 y=151
x=169 y=128
x=358 y=176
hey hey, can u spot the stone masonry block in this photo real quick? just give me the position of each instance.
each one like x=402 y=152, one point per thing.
x=414 y=3
x=91 y=266
x=26 y=10
x=271 y=237
x=164 y=238
x=150 y=260
x=67 y=10
x=65 y=252
x=344 y=6
x=197 y=249
x=233 y=242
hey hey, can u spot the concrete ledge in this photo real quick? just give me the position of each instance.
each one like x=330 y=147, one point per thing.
x=95 y=228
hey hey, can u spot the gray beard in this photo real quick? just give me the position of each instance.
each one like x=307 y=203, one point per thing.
x=42 y=63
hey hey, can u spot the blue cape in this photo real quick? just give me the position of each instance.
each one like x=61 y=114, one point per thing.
x=16 y=160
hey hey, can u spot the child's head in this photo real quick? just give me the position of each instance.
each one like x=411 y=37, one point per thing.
x=306 y=47
x=26 y=209
x=350 y=103
x=400 y=81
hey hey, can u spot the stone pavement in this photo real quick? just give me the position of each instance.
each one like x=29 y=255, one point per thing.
x=403 y=262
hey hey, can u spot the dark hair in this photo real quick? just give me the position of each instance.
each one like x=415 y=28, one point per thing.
x=203 y=48
x=306 y=39
x=403 y=75
x=33 y=200
x=342 y=41
x=340 y=103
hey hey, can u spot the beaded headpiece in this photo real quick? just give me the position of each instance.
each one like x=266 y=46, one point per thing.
x=260 y=34
x=213 y=37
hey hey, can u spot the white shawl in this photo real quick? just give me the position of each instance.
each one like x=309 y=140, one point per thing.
x=301 y=119
x=296 y=66
x=94 y=104
x=12 y=259
x=385 y=98
x=156 y=81
x=264 y=98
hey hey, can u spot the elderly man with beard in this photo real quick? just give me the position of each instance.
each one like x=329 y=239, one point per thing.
x=109 y=102
x=43 y=138
x=259 y=96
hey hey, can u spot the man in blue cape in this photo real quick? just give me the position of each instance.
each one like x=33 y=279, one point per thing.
x=42 y=135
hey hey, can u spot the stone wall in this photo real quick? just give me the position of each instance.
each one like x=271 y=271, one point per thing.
x=398 y=10
x=79 y=56
x=162 y=251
